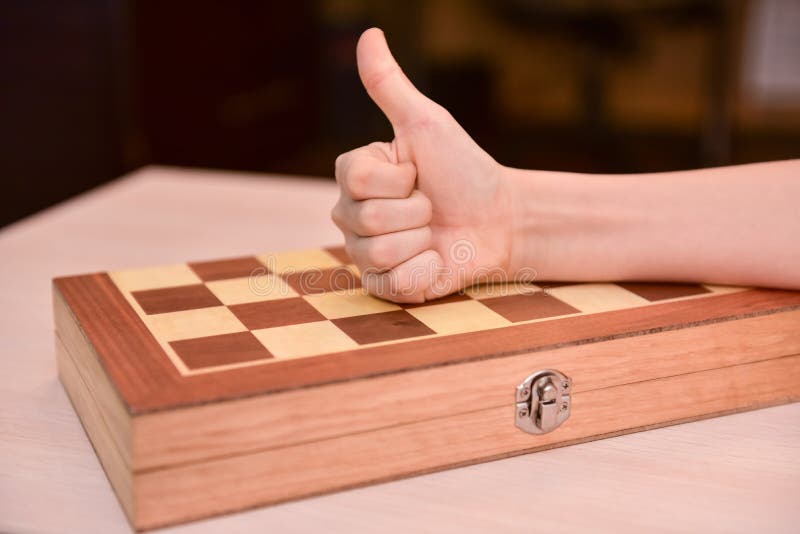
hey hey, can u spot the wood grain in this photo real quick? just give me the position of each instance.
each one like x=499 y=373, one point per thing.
x=150 y=383
x=173 y=299
x=728 y=389
x=378 y=327
x=527 y=307
x=268 y=314
x=114 y=414
x=269 y=421
x=94 y=414
x=211 y=350
x=652 y=291
x=224 y=269
x=112 y=327
x=198 y=490
x=319 y=281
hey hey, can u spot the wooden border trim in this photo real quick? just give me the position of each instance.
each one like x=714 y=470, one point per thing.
x=128 y=352
x=149 y=382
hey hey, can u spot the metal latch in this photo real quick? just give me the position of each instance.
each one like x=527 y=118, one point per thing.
x=543 y=401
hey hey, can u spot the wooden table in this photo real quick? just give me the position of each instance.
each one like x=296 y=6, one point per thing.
x=738 y=473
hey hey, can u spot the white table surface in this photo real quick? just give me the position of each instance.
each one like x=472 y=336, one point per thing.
x=739 y=473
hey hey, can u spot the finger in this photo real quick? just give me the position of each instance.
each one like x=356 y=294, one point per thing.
x=385 y=82
x=362 y=176
x=380 y=253
x=413 y=281
x=379 y=216
x=377 y=151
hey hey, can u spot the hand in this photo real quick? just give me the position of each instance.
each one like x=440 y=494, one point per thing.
x=425 y=214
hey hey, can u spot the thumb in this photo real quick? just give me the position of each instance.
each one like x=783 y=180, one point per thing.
x=385 y=82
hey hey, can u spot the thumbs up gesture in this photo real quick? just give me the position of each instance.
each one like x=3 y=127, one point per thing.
x=429 y=212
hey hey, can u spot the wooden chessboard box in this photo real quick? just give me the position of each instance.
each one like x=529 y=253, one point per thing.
x=215 y=386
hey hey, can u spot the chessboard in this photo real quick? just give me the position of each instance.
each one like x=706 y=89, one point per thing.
x=212 y=386
x=220 y=315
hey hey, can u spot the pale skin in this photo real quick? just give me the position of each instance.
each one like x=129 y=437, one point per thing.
x=408 y=204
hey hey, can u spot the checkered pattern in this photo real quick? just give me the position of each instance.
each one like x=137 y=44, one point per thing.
x=215 y=315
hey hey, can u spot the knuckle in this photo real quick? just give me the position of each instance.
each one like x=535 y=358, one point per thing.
x=408 y=179
x=337 y=166
x=357 y=181
x=336 y=215
x=380 y=77
x=377 y=253
x=369 y=218
x=340 y=165
x=377 y=147
x=425 y=207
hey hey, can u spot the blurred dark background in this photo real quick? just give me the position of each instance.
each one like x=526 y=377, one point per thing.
x=91 y=89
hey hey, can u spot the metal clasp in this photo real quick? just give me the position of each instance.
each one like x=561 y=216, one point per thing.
x=543 y=401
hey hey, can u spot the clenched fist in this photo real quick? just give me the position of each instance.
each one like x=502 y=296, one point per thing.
x=426 y=213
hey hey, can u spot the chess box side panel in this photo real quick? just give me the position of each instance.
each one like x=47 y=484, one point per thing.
x=192 y=491
x=264 y=422
x=94 y=414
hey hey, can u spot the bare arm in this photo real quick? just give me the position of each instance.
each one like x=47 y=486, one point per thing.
x=728 y=225
x=427 y=213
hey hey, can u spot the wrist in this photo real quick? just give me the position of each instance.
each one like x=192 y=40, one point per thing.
x=569 y=226
x=519 y=243
x=531 y=198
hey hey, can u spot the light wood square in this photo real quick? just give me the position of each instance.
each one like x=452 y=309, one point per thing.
x=308 y=339
x=486 y=291
x=154 y=277
x=256 y=288
x=593 y=298
x=457 y=317
x=335 y=305
x=298 y=260
x=193 y=323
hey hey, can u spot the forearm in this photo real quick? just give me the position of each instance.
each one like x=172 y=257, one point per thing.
x=732 y=225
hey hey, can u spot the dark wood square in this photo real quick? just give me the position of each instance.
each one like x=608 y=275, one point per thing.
x=224 y=349
x=546 y=285
x=654 y=292
x=224 y=269
x=527 y=307
x=386 y=326
x=255 y=315
x=317 y=281
x=172 y=299
x=339 y=253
